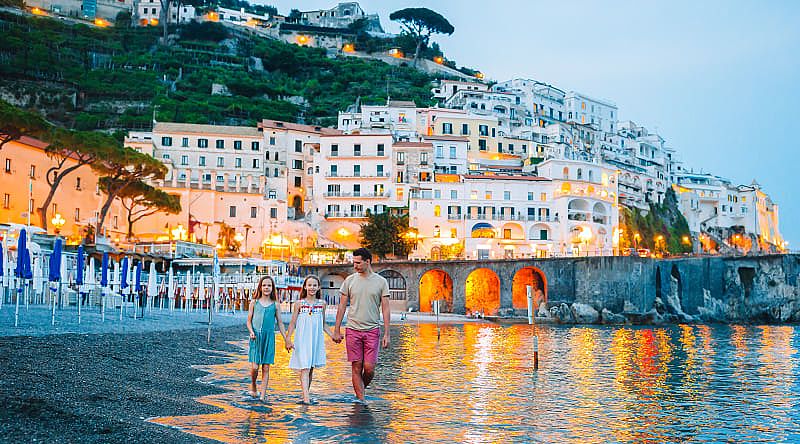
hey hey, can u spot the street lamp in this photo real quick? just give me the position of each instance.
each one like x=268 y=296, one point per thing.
x=238 y=237
x=57 y=222
x=178 y=233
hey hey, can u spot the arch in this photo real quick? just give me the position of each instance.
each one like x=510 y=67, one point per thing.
x=482 y=292
x=516 y=231
x=677 y=276
x=578 y=209
x=296 y=202
x=535 y=232
x=522 y=278
x=599 y=213
x=565 y=173
x=397 y=284
x=435 y=284
x=483 y=230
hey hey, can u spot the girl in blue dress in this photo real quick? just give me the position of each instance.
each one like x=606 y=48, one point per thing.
x=308 y=324
x=264 y=314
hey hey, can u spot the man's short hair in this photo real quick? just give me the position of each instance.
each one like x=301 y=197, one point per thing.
x=364 y=253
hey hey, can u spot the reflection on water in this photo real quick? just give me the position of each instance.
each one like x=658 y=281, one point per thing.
x=476 y=384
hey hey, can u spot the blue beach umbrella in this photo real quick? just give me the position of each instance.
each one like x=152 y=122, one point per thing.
x=54 y=274
x=138 y=286
x=80 y=266
x=104 y=271
x=124 y=280
x=22 y=245
x=2 y=263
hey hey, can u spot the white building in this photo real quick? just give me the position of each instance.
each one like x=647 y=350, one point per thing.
x=341 y=16
x=589 y=111
x=544 y=102
x=148 y=13
x=446 y=89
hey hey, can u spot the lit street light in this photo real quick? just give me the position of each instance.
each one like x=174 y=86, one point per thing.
x=57 y=222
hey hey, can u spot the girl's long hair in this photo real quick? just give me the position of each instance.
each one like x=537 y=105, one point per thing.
x=257 y=294
x=304 y=293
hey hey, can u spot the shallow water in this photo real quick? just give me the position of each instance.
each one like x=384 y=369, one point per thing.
x=477 y=384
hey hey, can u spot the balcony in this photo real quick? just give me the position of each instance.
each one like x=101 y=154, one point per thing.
x=346 y=215
x=383 y=175
x=454 y=217
x=356 y=195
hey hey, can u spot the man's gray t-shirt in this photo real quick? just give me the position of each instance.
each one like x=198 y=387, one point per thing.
x=365 y=295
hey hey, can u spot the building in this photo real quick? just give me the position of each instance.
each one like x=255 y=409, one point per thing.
x=85 y=9
x=341 y=16
x=148 y=13
x=583 y=109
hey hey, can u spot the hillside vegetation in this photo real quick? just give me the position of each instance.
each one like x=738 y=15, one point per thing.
x=88 y=78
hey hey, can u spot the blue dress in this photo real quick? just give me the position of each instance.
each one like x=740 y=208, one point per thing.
x=309 y=339
x=262 y=348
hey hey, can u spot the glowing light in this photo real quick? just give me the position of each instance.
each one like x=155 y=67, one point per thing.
x=153 y=22
x=396 y=53
x=343 y=232
x=178 y=233
x=303 y=39
x=37 y=11
x=585 y=234
x=57 y=222
x=349 y=47
x=479 y=75
x=238 y=237
x=438 y=59
x=101 y=23
x=212 y=16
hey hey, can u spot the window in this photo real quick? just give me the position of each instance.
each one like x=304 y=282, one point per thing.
x=423 y=158
x=542 y=234
x=272 y=194
x=277 y=173
x=184 y=160
x=357 y=170
x=380 y=170
x=493 y=132
x=400 y=193
x=272 y=140
x=253 y=212
x=543 y=197
x=8 y=165
x=499 y=147
x=238 y=162
x=254 y=146
x=334 y=170
x=232 y=211
x=454 y=194
x=297 y=164
x=530 y=196
x=206 y=178
x=202 y=161
x=266 y=155
x=220 y=144
x=166 y=141
x=357 y=150
x=454 y=233
x=220 y=161
x=334 y=150
x=298 y=181
x=437 y=210
x=202 y=143
x=483 y=130
x=447 y=128
x=439 y=152
x=381 y=150
x=185 y=142
x=298 y=146
x=580 y=174
x=401 y=158
x=452 y=152
x=506 y=233
x=78 y=183
x=33 y=172
x=356 y=190
x=488 y=195
x=437 y=231
x=115 y=222
x=256 y=164
x=464 y=129
x=273 y=213
x=437 y=194
x=77 y=214
x=482 y=145
x=6 y=200
x=237 y=144
x=506 y=195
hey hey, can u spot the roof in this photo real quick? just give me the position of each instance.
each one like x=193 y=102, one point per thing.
x=507 y=177
x=401 y=104
x=450 y=138
x=280 y=125
x=412 y=144
x=182 y=128
x=30 y=141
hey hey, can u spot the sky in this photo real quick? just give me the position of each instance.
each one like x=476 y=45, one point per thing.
x=719 y=80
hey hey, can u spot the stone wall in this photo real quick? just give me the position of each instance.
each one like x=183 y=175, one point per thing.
x=630 y=289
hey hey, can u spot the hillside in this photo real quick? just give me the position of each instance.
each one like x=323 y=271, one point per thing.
x=114 y=78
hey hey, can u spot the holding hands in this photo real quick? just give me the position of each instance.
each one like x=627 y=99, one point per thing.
x=289 y=344
x=252 y=335
x=337 y=336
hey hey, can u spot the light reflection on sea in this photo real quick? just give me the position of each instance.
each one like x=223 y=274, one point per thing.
x=476 y=384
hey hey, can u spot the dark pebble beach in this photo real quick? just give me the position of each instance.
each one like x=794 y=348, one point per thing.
x=102 y=388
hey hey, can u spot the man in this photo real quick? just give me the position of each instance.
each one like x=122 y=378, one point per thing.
x=368 y=295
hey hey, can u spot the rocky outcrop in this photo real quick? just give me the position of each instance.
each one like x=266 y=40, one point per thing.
x=584 y=313
x=609 y=318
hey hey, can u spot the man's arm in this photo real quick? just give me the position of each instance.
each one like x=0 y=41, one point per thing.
x=387 y=315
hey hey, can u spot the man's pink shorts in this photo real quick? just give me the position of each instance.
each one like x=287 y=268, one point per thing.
x=362 y=345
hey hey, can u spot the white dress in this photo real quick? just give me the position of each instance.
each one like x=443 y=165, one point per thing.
x=309 y=340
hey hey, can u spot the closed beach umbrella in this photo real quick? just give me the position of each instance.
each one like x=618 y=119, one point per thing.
x=38 y=275
x=189 y=289
x=3 y=274
x=79 y=267
x=170 y=283
x=54 y=274
x=138 y=286
x=201 y=287
x=104 y=271
x=152 y=283
x=22 y=245
x=123 y=284
x=90 y=280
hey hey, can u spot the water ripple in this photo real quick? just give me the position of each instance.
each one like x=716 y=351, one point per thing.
x=476 y=384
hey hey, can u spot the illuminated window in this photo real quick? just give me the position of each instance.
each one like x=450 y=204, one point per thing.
x=488 y=195
x=454 y=233
x=473 y=195
x=437 y=211
x=583 y=105
x=543 y=197
x=436 y=231
x=400 y=193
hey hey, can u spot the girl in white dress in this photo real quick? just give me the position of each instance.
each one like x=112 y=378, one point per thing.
x=308 y=324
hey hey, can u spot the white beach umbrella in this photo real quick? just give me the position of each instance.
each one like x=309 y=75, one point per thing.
x=38 y=274
x=115 y=279
x=152 y=284
x=90 y=281
x=201 y=293
x=188 y=288
x=171 y=288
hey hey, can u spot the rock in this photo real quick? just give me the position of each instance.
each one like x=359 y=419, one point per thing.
x=629 y=307
x=562 y=313
x=584 y=313
x=543 y=311
x=609 y=318
x=713 y=310
x=651 y=317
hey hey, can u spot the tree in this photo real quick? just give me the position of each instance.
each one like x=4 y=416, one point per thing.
x=123 y=167
x=295 y=15
x=80 y=147
x=16 y=122
x=420 y=23
x=141 y=200
x=384 y=234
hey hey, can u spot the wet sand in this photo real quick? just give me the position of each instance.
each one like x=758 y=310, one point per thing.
x=102 y=388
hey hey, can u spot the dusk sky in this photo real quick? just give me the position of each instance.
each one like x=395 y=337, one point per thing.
x=717 y=79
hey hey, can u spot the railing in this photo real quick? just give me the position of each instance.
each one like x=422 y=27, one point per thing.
x=336 y=215
x=517 y=217
x=357 y=176
x=356 y=194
